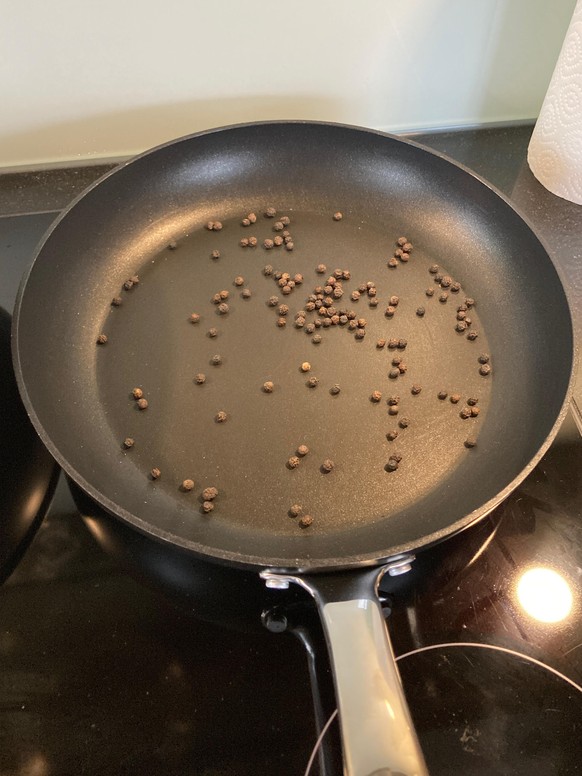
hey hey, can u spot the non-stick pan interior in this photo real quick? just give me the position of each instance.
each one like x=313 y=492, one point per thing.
x=79 y=393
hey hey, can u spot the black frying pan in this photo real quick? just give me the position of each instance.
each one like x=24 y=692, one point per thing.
x=78 y=393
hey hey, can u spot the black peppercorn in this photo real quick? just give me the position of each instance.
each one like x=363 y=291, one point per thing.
x=455 y=287
x=485 y=370
x=270 y=212
x=137 y=393
x=128 y=442
x=360 y=334
x=455 y=398
x=337 y=216
x=283 y=308
x=396 y=361
x=194 y=318
x=216 y=360
x=239 y=281
x=472 y=401
x=461 y=326
x=223 y=308
x=116 y=301
x=402 y=368
x=200 y=379
x=469 y=301
x=443 y=297
x=465 y=413
x=392 y=435
x=253 y=242
x=305 y=521
x=442 y=395
x=389 y=311
x=484 y=358
x=302 y=450
x=429 y=292
x=187 y=485
x=475 y=411
x=293 y=462
x=244 y=242
x=472 y=335
x=392 y=343
x=267 y=270
x=295 y=510
x=404 y=422
x=380 y=343
x=420 y=311
x=102 y=339
x=220 y=417
x=415 y=389
x=278 y=226
x=128 y=285
x=335 y=389
x=392 y=465
x=402 y=343
x=433 y=269
x=446 y=281
x=393 y=409
x=142 y=404
x=392 y=263
x=155 y=473
x=316 y=339
x=313 y=382
x=393 y=374
x=327 y=466
x=375 y=396
x=470 y=442
x=172 y=245
x=281 y=322
x=215 y=254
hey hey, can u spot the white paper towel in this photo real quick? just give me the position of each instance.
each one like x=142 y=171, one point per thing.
x=555 y=149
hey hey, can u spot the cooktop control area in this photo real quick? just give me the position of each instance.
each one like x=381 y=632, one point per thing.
x=101 y=674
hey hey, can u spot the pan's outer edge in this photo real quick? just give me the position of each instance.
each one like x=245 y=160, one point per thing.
x=301 y=564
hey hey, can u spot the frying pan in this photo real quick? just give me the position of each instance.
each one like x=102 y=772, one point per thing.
x=148 y=217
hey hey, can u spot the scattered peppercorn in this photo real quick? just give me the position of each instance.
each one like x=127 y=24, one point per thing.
x=128 y=285
x=102 y=339
x=472 y=401
x=465 y=413
x=393 y=409
x=137 y=393
x=443 y=297
x=313 y=382
x=470 y=442
x=335 y=389
x=442 y=395
x=316 y=339
x=267 y=270
x=172 y=245
x=220 y=417
x=375 y=396
x=268 y=387
x=392 y=435
x=116 y=301
x=187 y=485
x=389 y=311
x=396 y=361
x=194 y=318
x=207 y=506
x=327 y=466
x=223 y=308
x=485 y=370
x=380 y=343
x=215 y=254
x=216 y=360
x=295 y=510
x=393 y=374
x=392 y=263
x=246 y=294
x=128 y=442
x=402 y=368
x=469 y=301
x=305 y=521
x=305 y=366
x=239 y=280
x=155 y=473
x=216 y=299
x=270 y=212
x=244 y=242
x=461 y=326
x=455 y=398
x=404 y=256
x=420 y=311
x=200 y=379
x=212 y=333
x=142 y=404
x=278 y=240
x=393 y=400
x=429 y=292
x=214 y=226
x=293 y=462
x=415 y=389
x=360 y=334
x=402 y=343
x=392 y=343
x=321 y=269
x=472 y=335
x=433 y=269
x=475 y=411
x=209 y=494
x=281 y=322
x=392 y=465
x=455 y=287
x=484 y=358
x=302 y=450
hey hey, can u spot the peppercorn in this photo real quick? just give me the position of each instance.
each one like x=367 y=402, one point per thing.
x=321 y=269
x=396 y=361
x=116 y=301
x=472 y=401
x=215 y=226
x=278 y=240
x=187 y=485
x=429 y=292
x=392 y=343
x=337 y=216
x=391 y=466
x=278 y=226
x=128 y=442
x=207 y=506
x=404 y=422
x=239 y=280
x=420 y=311
x=443 y=297
x=446 y=281
x=220 y=417
x=455 y=398
x=283 y=309
x=461 y=326
x=302 y=450
x=470 y=442
x=389 y=311
x=299 y=323
x=442 y=395
x=309 y=328
x=267 y=270
x=172 y=245
x=313 y=382
x=316 y=339
x=215 y=254
x=455 y=287
x=200 y=378
x=252 y=218
x=246 y=294
x=392 y=263
x=472 y=335
x=216 y=360
x=293 y=462
x=216 y=299
x=317 y=323
x=245 y=222
x=285 y=220
x=327 y=466
x=374 y=302
x=268 y=387
x=244 y=242
x=142 y=404
x=335 y=389
x=270 y=212
x=194 y=318
x=393 y=409
x=360 y=334
x=102 y=339
x=137 y=393
x=305 y=521
x=223 y=308
x=375 y=396
x=209 y=494
x=295 y=510
x=465 y=413
x=402 y=343
x=253 y=242
x=355 y=295
x=415 y=389
x=335 y=319
x=469 y=301
x=289 y=246
x=433 y=269
x=484 y=358
x=128 y=285
x=393 y=374
x=155 y=473
x=281 y=322
x=352 y=325
x=392 y=435
x=438 y=277
x=343 y=320
x=485 y=370
x=475 y=411
x=380 y=343
x=402 y=368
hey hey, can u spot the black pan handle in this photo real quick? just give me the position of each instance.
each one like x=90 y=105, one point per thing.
x=378 y=736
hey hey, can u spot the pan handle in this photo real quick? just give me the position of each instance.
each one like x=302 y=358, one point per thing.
x=378 y=735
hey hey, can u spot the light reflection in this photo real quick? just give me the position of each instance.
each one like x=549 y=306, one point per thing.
x=544 y=595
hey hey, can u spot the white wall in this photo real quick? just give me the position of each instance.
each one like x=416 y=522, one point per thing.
x=100 y=79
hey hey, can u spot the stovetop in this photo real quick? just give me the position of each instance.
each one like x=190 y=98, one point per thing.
x=101 y=674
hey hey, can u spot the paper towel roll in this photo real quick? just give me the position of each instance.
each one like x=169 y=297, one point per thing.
x=555 y=149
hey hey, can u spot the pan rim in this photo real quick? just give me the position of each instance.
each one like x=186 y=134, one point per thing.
x=300 y=564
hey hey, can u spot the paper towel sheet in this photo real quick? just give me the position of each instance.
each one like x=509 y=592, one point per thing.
x=555 y=149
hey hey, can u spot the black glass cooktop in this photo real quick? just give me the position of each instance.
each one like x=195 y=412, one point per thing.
x=101 y=674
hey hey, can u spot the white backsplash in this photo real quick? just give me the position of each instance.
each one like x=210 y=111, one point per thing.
x=98 y=80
